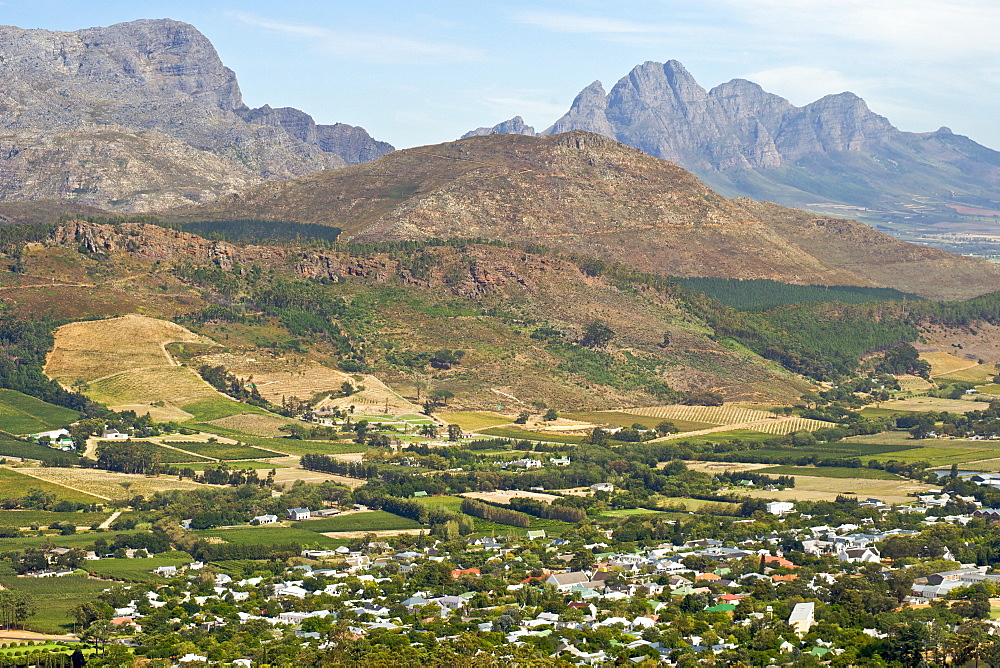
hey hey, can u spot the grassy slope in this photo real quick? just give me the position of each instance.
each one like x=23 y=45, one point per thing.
x=14 y=484
x=54 y=598
x=21 y=414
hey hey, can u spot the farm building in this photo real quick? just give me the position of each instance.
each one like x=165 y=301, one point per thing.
x=297 y=514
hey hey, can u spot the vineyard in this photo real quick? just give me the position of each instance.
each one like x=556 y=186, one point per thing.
x=713 y=415
x=782 y=427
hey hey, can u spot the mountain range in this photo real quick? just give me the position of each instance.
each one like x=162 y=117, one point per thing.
x=144 y=115
x=590 y=195
x=834 y=155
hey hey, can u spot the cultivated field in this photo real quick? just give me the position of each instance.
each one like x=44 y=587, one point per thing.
x=623 y=419
x=11 y=447
x=15 y=484
x=54 y=598
x=910 y=383
x=920 y=404
x=373 y=520
x=980 y=373
x=45 y=518
x=297 y=376
x=710 y=415
x=813 y=488
x=125 y=365
x=92 y=349
x=256 y=425
x=831 y=472
x=271 y=535
x=21 y=414
x=475 y=421
x=138 y=570
x=223 y=451
x=504 y=497
x=945 y=363
x=107 y=484
x=172 y=386
x=720 y=467
x=782 y=426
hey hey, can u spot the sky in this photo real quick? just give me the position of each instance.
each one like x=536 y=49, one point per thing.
x=416 y=73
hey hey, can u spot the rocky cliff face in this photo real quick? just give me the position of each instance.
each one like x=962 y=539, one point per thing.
x=350 y=143
x=661 y=109
x=160 y=83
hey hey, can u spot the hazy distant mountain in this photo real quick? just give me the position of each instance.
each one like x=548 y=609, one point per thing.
x=590 y=195
x=144 y=114
x=515 y=126
x=742 y=140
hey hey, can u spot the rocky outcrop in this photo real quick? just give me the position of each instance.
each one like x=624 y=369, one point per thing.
x=474 y=271
x=152 y=243
x=162 y=83
x=743 y=140
x=514 y=126
x=350 y=143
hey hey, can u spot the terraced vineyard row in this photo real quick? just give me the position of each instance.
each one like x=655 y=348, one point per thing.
x=715 y=415
x=782 y=427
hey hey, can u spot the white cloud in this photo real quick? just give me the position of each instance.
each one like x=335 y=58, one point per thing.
x=802 y=84
x=574 y=23
x=928 y=29
x=367 y=47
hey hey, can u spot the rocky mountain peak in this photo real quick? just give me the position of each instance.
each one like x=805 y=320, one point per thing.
x=586 y=113
x=744 y=140
x=514 y=126
x=138 y=89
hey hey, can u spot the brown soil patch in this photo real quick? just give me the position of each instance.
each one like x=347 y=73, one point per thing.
x=255 y=424
x=95 y=349
x=814 y=488
x=721 y=467
x=290 y=475
x=278 y=377
x=109 y=484
x=158 y=413
x=383 y=532
x=504 y=497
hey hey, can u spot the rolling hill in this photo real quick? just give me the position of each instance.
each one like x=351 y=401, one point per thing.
x=590 y=195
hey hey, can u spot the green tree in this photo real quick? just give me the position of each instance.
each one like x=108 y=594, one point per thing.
x=454 y=432
x=441 y=396
x=666 y=427
x=15 y=607
x=596 y=335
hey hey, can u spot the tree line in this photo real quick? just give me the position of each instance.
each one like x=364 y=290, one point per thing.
x=495 y=514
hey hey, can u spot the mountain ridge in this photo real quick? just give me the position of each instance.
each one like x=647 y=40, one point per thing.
x=160 y=87
x=595 y=196
x=829 y=154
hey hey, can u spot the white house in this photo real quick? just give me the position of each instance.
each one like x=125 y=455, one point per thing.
x=860 y=555
x=780 y=507
x=297 y=514
x=566 y=581
x=114 y=434
x=603 y=487
x=265 y=519
x=802 y=617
